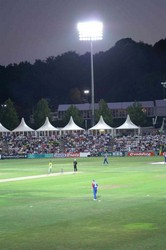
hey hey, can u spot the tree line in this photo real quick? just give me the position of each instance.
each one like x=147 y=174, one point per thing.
x=9 y=117
x=129 y=71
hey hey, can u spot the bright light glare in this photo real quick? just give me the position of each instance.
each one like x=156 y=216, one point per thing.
x=86 y=91
x=90 y=31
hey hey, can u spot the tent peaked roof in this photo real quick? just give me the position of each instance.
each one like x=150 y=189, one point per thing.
x=128 y=124
x=47 y=126
x=22 y=127
x=3 y=129
x=71 y=125
x=101 y=125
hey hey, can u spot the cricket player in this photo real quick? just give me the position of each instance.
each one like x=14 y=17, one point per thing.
x=94 y=188
x=50 y=167
x=105 y=158
x=75 y=165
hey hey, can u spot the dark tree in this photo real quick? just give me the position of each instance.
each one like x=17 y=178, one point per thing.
x=137 y=114
x=75 y=113
x=41 y=112
x=8 y=115
x=104 y=111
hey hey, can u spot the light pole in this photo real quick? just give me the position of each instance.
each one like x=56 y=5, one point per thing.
x=86 y=93
x=91 y=31
x=164 y=87
x=86 y=115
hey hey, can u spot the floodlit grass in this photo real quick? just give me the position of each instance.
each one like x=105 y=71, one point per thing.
x=58 y=212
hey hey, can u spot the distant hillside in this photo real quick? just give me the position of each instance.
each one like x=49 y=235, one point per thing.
x=126 y=72
x=131 y=71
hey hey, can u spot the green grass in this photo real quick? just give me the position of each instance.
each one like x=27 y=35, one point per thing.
x=58 y=212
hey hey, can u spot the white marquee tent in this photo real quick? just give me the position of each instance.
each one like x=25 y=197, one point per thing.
x=47 y=126
x=3 y=129
x=101 y=125
x=23 y=127
x=71 y=126
x=128 y=124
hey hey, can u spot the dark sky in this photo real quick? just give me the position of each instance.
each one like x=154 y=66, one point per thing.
x=37 y=29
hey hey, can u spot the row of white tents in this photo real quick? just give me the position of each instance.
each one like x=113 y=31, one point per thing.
x=71 y=126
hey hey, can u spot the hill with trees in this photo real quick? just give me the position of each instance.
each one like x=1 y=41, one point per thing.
x=129 y=71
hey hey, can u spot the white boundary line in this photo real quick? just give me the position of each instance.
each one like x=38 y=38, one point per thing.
x=35 y=177
x=162 y=162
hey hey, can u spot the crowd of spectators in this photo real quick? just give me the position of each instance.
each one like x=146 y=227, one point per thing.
x=21 y=144
x=80 y=142
x=86 y=142
x=141 y=143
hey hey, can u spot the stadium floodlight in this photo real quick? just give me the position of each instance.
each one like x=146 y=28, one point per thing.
x=91 y=31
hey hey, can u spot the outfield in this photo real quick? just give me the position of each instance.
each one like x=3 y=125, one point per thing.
x=57 y=212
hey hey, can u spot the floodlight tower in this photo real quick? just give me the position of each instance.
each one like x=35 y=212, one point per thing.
x=91 y=31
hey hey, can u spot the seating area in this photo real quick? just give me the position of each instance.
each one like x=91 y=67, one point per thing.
x=21 y=144
x=80 y=142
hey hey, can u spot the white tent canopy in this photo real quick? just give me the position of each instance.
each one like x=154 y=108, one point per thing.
x=3 y=129
x=71 y=126
x=23 y=127
x=128 y=124
x=101 y=125
x=47 y=126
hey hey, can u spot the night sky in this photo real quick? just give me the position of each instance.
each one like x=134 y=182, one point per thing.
x=37 y=29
